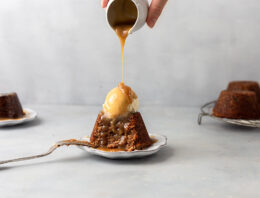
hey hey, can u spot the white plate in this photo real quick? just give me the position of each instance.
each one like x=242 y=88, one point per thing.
x=155 y=147
x=29 y=116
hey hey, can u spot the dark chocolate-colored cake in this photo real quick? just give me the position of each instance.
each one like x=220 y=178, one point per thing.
x=237 y=105
x=10 y=106
x=245 y=86
x=125 y=133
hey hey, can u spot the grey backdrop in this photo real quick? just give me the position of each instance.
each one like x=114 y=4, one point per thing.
x=62 y=51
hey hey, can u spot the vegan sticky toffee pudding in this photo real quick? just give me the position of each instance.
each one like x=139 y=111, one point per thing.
x=119 y=126
x=10 y=107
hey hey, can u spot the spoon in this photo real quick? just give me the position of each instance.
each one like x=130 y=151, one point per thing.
x=54 y=147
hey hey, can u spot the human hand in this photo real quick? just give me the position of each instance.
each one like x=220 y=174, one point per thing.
x=154 y=12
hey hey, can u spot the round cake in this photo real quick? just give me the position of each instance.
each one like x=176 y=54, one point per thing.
x=10 y=106
x=237 y=105
x=245 y=86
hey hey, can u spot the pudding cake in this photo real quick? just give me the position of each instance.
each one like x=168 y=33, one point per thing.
x=10 y=106
x=119 y=125
x=237 y=105
x=245 y=86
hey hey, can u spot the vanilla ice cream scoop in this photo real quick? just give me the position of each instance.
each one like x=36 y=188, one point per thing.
x=120 y=101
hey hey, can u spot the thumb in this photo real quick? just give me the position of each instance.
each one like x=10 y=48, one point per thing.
x=104 y=3
x=155 y=11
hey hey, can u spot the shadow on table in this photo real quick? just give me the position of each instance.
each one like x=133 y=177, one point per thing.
x=163 y=155
x=228 y=127
x=237 y=128
x=25 y=125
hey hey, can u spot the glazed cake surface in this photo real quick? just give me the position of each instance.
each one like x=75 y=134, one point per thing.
x=245 y=86
x=10 y=106
x=125 y=133
x=237 y=105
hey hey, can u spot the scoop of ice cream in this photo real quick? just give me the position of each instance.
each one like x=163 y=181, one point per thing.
x=120 y=101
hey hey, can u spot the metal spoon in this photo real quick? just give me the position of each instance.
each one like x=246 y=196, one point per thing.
x=54 y=147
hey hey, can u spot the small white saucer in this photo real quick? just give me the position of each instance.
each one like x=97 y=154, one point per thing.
x=29 y=116
x=154 y=148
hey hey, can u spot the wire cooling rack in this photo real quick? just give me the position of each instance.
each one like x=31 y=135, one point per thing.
x=206 y=110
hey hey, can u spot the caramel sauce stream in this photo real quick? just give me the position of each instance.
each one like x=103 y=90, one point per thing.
x=122 y=32
x=122 y=17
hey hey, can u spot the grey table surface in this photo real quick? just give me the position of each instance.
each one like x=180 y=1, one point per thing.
x=211 y=160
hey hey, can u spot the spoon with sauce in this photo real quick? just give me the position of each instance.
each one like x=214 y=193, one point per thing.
x=53 y=148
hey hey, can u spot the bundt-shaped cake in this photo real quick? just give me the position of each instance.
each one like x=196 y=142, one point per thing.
x=245 y=86
x=126 y=133
x=237 y=105
x=10 y=106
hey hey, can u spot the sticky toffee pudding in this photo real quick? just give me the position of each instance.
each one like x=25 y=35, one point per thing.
x=119 y=126
x=10 y=106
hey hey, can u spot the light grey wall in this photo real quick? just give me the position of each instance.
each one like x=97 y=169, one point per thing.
x=62 y=51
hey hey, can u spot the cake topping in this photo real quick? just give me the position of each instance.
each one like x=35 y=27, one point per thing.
x=120 y=101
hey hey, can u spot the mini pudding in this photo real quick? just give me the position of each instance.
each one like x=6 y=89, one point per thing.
x=241 y=100
x=245 y=86
x=237 y=105
x=10 y=106
x=119 y=125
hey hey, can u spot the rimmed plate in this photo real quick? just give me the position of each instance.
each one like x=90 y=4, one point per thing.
x=29 y=116
x=206 y=110
x=154 y=148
